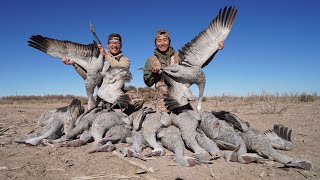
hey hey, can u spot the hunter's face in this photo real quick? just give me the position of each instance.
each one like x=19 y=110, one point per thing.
x=163 y=44
x=114 y=46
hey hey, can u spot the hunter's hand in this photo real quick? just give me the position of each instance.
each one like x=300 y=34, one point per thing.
x=156 y=67
x=67 y=61
x=220 y=45
x=102 y=50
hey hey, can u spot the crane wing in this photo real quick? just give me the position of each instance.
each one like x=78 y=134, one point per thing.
x=179 y=94
x=112 y=84
x=280 y=137
x=61 y=49
x=199 y=52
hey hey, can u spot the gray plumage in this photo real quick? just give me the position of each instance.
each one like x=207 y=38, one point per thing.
x=224 y=135
x=179 y=94
x=137 y=142
x=259 y=143
x=82 y=127
x=56 y=123
x=87 y=56
x=199 y=52
x=95 y=124
x=115 y=134
x=84 y=122
x=139 y=118
x=85 y=137
x=152 y=124
x=104 y=121
x=208 y=144
x=112 y=84
x=171 y=139
x=233 y=120
x=188 y=123
x=280 y=137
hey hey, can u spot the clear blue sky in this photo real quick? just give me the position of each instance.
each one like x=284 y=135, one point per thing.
x=273 y=46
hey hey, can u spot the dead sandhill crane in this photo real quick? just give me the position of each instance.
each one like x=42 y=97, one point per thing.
x=198 y=53
x=255 y=141
x=55 y=123
x=112 y=84
x=87 y=56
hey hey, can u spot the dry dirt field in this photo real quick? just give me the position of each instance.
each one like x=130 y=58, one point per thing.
x=19 y=161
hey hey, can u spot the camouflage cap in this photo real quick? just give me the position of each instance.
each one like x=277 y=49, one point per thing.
x=162 y=33
x=114 y=36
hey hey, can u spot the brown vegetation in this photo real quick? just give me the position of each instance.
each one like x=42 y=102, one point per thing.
x=18 y=117
x=149 y=96
x=45 y=98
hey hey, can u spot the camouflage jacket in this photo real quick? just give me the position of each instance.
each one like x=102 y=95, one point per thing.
x=171 y=57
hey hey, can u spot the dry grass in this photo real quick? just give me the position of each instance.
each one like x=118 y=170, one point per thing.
x=43 y=99
x=149 y=95
x=266 y=103
x=267 y=97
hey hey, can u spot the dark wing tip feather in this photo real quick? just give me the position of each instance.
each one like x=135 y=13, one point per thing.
x=36 y=46
x=38 y=42
x=128 y=76
x=283 y=132
x=289 y=135
x=230 y=17
x=268 y=131
x=181 y=54
x=227 y=16
x=171 y=101
x=220 y=114
x=123 y=100
x=171 y=104
x=222 y=18
x=219 y=15
x=233 y=17
x=276 y=128
x=46 y=44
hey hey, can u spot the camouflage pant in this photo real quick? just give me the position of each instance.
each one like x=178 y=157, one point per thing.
x=161 y=94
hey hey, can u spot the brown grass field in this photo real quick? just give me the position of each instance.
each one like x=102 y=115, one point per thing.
x=18 y=117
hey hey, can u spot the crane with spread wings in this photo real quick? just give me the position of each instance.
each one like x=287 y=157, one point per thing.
x=89 y=58
x=196 y=55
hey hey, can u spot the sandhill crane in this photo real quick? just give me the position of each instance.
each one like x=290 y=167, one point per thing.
x=112 y=84
x=87 y=56
x=187 y=121
x=255 y=141
x=172 y=140
x=55 y=123
x=198 y=53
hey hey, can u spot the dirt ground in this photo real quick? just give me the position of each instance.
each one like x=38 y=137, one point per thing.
x=18 y=161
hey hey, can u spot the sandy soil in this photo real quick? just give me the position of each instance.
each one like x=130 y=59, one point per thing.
x=18 y=161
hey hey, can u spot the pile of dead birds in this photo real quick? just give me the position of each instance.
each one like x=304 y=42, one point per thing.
x=205 y=135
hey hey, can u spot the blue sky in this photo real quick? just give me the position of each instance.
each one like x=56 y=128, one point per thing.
x=273 y=45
